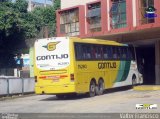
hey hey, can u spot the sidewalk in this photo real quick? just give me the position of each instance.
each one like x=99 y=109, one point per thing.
x=147 y=87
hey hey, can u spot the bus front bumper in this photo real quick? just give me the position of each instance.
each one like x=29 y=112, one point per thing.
x=55 y=89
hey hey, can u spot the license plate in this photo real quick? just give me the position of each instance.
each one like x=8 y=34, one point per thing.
x=55 y=80
x=53 y=77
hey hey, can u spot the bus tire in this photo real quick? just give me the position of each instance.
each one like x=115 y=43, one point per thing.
x=100 y=87
x=92 y=89
x=134 y=79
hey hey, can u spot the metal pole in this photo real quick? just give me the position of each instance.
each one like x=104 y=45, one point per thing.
x=22 y=85
x=8 y=87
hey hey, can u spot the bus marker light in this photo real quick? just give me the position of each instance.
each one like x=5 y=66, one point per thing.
x=63 y=76
x=42 y=77
x=72 y=77
x=55 y=80
x=35 y=79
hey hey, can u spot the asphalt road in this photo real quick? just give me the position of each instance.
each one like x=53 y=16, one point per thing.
x=123 y=101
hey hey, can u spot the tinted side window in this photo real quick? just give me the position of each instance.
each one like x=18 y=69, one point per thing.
x=78 y=52
x=115 y=53
x=107 y=52
x=86 y=51
x=83 y=51
x=132 y=53
x=123 y=53
x=97 y=52
x=127 y=53
x=119 y=52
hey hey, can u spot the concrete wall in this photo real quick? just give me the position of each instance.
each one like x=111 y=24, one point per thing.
x=71 y=3
x=3 y=87
x=15 y=85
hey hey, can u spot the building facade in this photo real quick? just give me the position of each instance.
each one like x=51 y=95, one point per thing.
x=136 y=22
x=38 y=3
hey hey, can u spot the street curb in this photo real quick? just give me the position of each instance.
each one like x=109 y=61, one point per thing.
x=147 y=88
x=16 y=96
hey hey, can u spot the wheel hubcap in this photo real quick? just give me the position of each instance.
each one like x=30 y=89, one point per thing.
x=93 y=88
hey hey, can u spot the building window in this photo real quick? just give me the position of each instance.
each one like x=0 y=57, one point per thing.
x=118 y=14
x=144 y=4
x=69 y=22
x=94 y=17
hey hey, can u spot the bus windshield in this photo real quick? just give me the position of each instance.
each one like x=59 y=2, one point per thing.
x=52 y=53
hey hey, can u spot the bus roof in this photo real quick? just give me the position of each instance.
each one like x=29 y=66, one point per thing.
x=97 y=41
x=89 y=40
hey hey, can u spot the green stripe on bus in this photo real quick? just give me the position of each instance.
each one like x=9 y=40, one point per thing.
x=126 y=70
x=123 y=71
x=120 y=71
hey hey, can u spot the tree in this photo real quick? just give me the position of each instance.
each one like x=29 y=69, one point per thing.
x=49 y=17
x=14 y=29
x=45 y=21
x=19 y=28
x=56 y=6
x=17 y=24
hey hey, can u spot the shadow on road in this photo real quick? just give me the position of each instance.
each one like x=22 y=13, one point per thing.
x=124 y=88
x=82 y=96
x=67 y=97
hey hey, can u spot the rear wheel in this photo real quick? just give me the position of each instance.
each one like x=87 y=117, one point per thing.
x=100 y=87
x=92 y=89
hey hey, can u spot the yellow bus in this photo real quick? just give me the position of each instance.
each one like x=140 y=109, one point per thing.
x=65 y=65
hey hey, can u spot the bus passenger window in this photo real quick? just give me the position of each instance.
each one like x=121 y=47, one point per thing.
x=86 y=52
x=97 y=52
x=115 y=55
x=105 y=55
x=124 y=52
x=107 y=52
x=83 y=52
x=78 y=52
x=129 y=54
x=119 y=52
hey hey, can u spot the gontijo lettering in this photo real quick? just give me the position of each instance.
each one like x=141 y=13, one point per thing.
x=103 y=65
x=50 y=57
